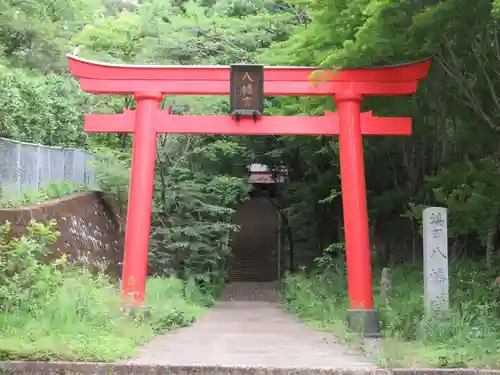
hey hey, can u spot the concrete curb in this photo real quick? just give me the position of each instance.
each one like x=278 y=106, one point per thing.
x=90 y=368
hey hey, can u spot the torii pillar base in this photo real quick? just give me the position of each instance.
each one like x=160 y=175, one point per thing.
x=364 y=322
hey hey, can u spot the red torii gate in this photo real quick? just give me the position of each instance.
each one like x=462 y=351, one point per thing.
x=148 y=84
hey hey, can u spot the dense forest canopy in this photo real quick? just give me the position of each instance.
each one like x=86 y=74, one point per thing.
x=452 y=158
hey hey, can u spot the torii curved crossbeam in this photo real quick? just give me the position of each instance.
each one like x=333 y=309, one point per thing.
x=148 y=84
x=101 y=78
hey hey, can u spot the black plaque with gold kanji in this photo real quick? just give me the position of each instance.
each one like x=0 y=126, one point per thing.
x=247 y=90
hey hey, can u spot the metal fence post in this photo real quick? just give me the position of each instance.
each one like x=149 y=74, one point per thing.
x=18 y=168
x=38 y=167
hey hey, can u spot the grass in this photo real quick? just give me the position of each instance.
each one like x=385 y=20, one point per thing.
x=52 y=190
x=59 y=311
x=83 y=321
x=469 y=337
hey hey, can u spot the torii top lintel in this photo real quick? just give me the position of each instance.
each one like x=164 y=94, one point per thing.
x=101 y=78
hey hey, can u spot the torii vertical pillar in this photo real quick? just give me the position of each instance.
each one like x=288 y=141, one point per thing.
x=361 y=316
x=140 y=200
x=149 y=83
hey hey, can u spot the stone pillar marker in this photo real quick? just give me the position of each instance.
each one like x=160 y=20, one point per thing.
x=436 y=282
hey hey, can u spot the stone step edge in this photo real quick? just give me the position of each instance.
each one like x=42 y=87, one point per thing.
x=95 y=368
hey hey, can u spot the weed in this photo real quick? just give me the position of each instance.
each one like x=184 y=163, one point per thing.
x=469 y=337
x=52 y=190
x=60 y=311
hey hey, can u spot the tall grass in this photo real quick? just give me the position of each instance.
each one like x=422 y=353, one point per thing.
x=58 y=311
x=52 y=190
x=468 y=337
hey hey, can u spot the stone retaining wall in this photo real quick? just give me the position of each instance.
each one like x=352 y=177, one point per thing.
x=90 y=230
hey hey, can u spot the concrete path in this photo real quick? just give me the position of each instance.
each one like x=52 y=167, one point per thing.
x=248 y=328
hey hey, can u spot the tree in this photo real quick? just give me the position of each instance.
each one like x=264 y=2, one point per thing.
x=454 y=116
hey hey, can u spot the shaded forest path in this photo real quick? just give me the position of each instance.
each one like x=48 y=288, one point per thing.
x=249 y=328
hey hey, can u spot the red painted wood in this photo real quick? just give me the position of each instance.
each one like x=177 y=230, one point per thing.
x=140 y=204
x=82 y=68
x=276 y=88
x=101 y=78
x=352 y=178
x=266 y=125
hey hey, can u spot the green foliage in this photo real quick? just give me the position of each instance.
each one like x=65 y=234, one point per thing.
x=53 y=310
x=52 y=190
x=23 y=277
x=36 y=34
x=197 y=184
x=456 y=108
x=452 y=157
x=471 y=193
x=161 y=31
x=193 y=203
x=119 y=36
x=42 y=109
x=113 y=173
x=468 y=338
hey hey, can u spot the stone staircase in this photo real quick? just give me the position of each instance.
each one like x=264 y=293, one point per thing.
x=254 y=246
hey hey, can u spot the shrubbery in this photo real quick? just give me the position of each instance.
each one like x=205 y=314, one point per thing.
x=44 y=109
x=57 y=310
x=470 y=337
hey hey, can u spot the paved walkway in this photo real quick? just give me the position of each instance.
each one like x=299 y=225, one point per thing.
x=248 y=328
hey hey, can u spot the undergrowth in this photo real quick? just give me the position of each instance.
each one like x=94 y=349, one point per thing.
x=56 y=310
x=52 y=190
x=469 y=337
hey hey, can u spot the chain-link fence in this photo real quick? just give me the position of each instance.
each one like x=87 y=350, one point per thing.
x=29 y=167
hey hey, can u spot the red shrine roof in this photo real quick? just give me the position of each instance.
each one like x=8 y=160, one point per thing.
x=260 y=174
